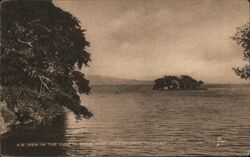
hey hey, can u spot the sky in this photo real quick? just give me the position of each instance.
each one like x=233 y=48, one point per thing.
x=147 y=39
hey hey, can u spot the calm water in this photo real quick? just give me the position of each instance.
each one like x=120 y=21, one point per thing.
x=140 y=121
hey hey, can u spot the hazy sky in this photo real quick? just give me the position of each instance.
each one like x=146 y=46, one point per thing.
x=146 y=39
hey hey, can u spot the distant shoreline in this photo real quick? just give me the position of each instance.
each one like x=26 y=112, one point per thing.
x=107 y=80
x=212 y=85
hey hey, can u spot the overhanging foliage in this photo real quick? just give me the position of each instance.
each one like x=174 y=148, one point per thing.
x=43 y=49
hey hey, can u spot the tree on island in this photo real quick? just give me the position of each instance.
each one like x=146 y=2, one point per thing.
x=184 y=82
x=43 y=49
x=242 y=38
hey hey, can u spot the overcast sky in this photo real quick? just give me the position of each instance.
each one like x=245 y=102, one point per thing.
x=146 y=39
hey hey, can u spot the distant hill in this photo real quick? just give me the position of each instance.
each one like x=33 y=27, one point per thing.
x=106 y=80
x=220 y=85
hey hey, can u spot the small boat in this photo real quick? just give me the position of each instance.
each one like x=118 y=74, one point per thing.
x=117 y=92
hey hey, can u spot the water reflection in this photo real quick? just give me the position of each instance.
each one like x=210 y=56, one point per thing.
x=26 y=141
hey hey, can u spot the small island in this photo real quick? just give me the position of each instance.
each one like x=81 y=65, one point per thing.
x=183 y=82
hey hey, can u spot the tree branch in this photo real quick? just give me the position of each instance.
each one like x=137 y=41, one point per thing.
x=27 y=43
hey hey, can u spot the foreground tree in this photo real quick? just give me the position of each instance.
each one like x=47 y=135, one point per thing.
x=43 y=49
x=242 y=38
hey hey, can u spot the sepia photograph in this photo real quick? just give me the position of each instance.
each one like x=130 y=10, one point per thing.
x=125 y=78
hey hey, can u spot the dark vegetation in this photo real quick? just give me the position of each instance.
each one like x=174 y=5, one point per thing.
x=183 y=82
x=43 y=50
x=242 y=38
